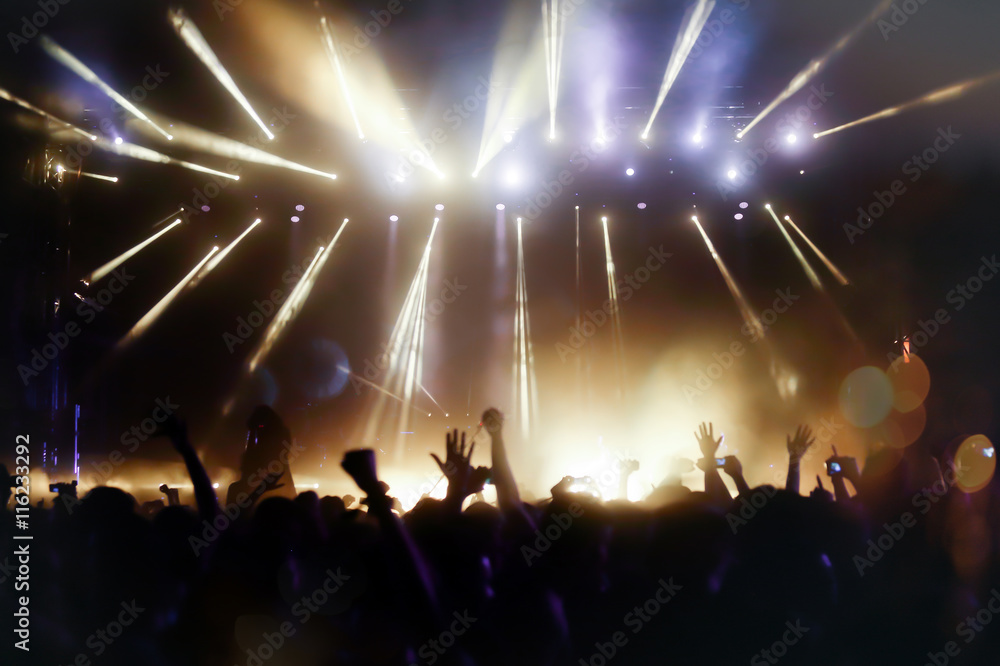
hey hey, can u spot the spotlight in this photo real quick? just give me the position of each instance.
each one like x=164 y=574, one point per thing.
x=642 y=206
x=295 y=218
x=60 y=168
x=604 y=219
x=439 y=207
x=738 y=216
x=697 y=138
x=300 y=208
x=500 y=206
x=513 y=176
x=508 y=137
x=732 y=174
x=744 y=204
x=394 y=218
x=791 y=138
x=630 y=172
x=118 y=140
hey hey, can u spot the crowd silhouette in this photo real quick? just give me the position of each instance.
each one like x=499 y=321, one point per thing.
x=897 y=566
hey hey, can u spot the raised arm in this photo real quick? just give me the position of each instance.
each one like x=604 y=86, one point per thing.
x=797 y=447
x=714 y=485
x=204 y=494
x=734 y=468
x=463 y=478
x=503 y=478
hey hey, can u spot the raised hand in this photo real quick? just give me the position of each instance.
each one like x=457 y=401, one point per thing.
x=463 y=479
x=800 y=443
x=706 y=440
x=733 y=466
x=360 y=464
x=493 y=421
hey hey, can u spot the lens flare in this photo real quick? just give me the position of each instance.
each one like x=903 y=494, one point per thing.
x=975 y=463
x=911 y=381
x=866 y=397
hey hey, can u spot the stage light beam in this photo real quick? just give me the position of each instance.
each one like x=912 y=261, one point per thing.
x=829 y=264
x=813 y=68
x=64 y=57
x=746 y=311
x=810 y=273
x=154 y=313
x=125 y=256
x=334 y=54
x=691 y=26
x=293 y=305
x=222 y=255
x=939 y=96
x=191 y=36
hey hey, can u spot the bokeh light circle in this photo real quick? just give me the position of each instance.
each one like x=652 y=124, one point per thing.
x=975 y=463
x=911 y=382
x=866 y=397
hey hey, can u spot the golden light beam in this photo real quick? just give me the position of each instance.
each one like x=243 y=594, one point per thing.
x=189 y=33
x=126 y=149
x=813 y=278
x=334 y=54
x=810 y=273
x=209 y=142
x=746 y=311
x=816 y=65
x=143 y=324
x=829 y=264
x=428 y=393
x=67 y=59
x=125 y=256
x=293 y=305
x=372 y=385
x=618 y=338
x=110 y=179
x=524 y=382
x=691 y=26
x=939 y=96
x=553 y=30
x=45 y=114
x=222 y=255
x=518 y=62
